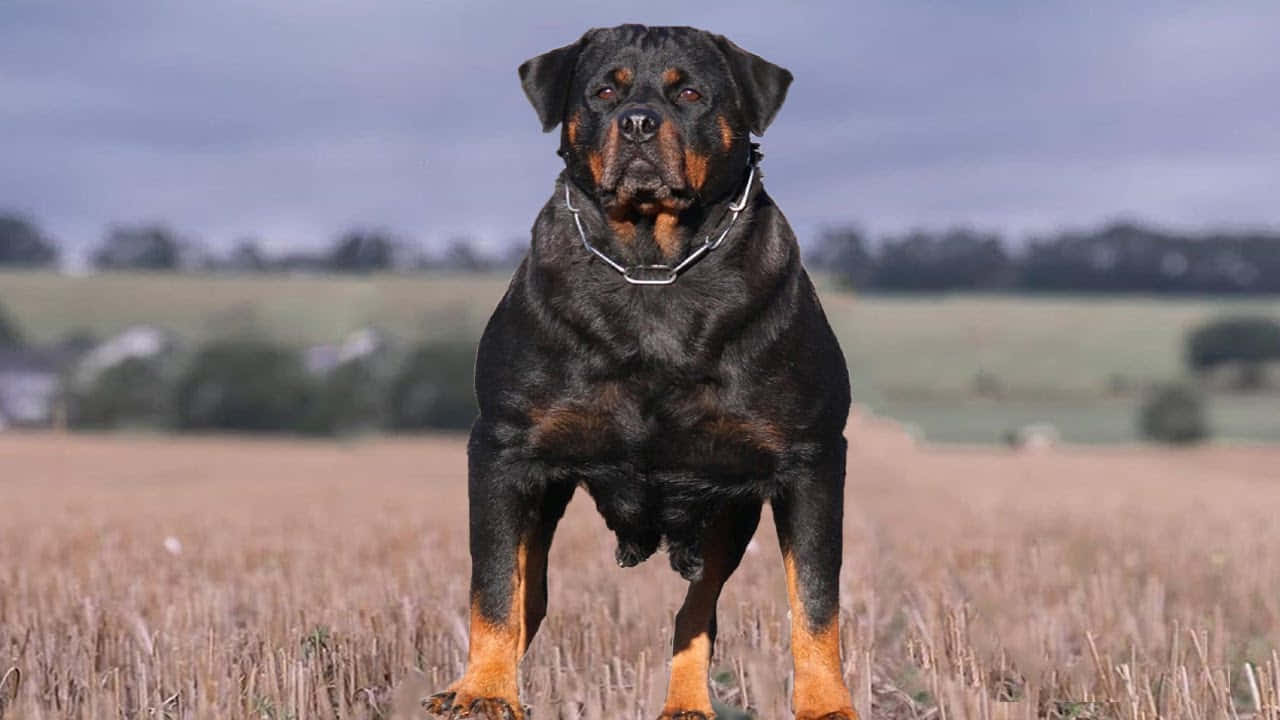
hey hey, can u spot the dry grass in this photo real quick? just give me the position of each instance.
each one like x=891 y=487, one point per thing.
x=325 y=580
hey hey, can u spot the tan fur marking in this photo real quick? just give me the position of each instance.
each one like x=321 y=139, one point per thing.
x=670 y=76
x=607 y=164
x=666 y=232
x=819 y=688
x=688 y=689
x=531 y=563
x=695 y=168
x=573 y=420
x=726 y=132
x=494 y=650
x=571 y=128
x=760 y=433
x=596 y=164
x=625 y=231
x=670 y=146
x=737 y=430
x=623 y=76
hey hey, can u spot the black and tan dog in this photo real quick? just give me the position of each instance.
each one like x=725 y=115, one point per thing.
x=662 y=347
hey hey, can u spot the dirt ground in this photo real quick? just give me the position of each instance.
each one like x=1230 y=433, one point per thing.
x=151 y=576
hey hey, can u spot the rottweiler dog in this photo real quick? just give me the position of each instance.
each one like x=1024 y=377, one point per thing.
x=661 y=346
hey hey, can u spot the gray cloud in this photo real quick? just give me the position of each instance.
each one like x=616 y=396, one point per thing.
x=294 y=119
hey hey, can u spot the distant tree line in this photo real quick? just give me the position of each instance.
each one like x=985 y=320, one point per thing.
x=1122 y=257
x=158 y=247
x=255 y=385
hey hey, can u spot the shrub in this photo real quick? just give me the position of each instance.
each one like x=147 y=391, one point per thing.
x=22 y=244
x=126 y=394
x=1174 y=414
x=139 y=247
x=10 y=333
x=243 y=385
x=435 y=388
x=1249 y=342
x=349 y=399
x=363 y=251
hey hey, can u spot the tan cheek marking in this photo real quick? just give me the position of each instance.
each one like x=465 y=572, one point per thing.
x=695 y=168
x=726 y=133
x=607 y=163
x=669 y=145
x=571 y=129
x=596 y=163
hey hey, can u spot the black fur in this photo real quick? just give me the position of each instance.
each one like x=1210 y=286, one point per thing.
x=668 y=404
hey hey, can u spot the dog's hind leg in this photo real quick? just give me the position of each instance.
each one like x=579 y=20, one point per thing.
x=513 y=517
x=723 y=543
x=535 y=585
x=809 y=514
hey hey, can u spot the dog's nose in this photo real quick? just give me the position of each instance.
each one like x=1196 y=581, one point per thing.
x=639 y=124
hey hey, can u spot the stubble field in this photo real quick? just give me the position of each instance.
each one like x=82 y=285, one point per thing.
x=151 y=577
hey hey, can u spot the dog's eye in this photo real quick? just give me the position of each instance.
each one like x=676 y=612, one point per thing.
x=690 y=95
x=606 y=93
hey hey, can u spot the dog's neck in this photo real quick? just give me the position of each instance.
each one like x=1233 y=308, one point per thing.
x=662 y=237
x=659 y=238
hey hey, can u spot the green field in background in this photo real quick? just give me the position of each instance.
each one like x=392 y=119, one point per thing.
x=1078 y=362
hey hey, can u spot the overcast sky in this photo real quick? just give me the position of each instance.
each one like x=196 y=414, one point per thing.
x=293 y=119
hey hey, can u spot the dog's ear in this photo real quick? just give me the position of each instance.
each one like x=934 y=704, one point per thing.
x=546 y=80
x=762 y=84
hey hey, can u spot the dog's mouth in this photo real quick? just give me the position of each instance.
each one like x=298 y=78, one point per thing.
x=644 y=185
x=642 y=176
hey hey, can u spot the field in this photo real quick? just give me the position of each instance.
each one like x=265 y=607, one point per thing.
x=1080 y=363
x=153 y=577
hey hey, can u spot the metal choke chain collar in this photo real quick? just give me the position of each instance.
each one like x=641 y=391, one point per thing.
x=666 y=274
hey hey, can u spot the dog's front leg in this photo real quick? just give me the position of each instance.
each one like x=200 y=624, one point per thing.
x=723 y=543
x=512 y=521
x=809 y=514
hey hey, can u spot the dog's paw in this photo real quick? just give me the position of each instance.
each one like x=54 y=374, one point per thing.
x=841 y=714
x=686 y=715
x=439 y=704
x=451 y=705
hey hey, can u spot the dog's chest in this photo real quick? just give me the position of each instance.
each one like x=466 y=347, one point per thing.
x=694 y=427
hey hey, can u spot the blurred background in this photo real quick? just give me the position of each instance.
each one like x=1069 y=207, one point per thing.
x=1028 y=223
x=1031 y=225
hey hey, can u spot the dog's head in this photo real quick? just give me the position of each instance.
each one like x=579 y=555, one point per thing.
x=655 y=119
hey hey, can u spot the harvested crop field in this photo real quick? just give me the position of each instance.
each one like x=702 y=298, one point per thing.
x=236 y=578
